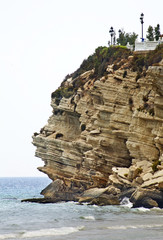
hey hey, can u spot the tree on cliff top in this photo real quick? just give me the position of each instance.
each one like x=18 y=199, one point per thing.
x=150 y=35
x=153 y=33
x=124 y=38
x=157 y=32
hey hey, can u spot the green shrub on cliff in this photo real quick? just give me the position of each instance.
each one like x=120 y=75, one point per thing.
x=155 y=165
x=60 y=93
x=144 y=61
x=99 y=61
x=104 y=56
x=154 y=56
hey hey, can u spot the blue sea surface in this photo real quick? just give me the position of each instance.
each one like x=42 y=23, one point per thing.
x=62 y=221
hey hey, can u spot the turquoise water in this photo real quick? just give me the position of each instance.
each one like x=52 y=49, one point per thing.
x=62 y=221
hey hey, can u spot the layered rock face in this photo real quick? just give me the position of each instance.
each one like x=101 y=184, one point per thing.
x=106 y=141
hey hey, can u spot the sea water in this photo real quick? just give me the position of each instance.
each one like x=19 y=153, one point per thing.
x=70 y=221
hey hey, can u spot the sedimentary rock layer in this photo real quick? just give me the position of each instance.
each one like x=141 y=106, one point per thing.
x=108 y=134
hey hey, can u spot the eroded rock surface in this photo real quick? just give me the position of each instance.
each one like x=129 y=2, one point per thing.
x=108 y=135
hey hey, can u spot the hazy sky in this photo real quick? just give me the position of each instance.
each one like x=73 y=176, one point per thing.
x=41 y=41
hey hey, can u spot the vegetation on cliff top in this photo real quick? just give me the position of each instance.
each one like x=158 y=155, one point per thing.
x=153 y=33
x=145 y=60
x=125 y=38
x=100 y=60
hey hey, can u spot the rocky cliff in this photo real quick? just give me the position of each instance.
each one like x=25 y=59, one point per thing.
x=104 y=140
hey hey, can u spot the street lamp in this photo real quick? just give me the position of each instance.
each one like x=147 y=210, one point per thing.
x=141 y=20
x=114 y=38
x=111 y=31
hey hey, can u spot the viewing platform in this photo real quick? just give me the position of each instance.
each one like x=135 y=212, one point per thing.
x=147 y=45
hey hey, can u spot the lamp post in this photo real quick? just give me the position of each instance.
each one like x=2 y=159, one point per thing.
x=141 y=20
x=114 y=38
x=119 y=31
x=111 y=31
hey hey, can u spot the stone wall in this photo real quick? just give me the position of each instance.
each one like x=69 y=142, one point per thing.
x=147 y=45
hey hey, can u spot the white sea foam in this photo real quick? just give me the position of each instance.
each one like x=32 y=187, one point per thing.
x=126 y=202
x=157 y=209
x=123 y=227
x=8 y=236
x=42 y=233
x=89 y=217
x=142 y=209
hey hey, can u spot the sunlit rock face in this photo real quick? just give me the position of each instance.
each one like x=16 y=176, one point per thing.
x=108 y=133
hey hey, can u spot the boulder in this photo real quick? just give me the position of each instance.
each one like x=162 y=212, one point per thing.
x=101 y=196
x=147 y=198
x=149 y=203
x=153 y=181
x=52 y=188
x=57 y=191
x=105 y=199
x=91 y=194
x=127 y=193
x=122 y=172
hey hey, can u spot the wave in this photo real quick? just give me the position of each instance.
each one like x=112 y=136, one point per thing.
x=42 y=233
x=157 y=209
x=135 y=226
x=126 y=203
x=8 y=236
x=143 y=209
x=88 y=217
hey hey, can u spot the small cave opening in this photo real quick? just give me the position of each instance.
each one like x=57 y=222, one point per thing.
x=55 y=112
x=130 y=101
x=59 y=135
x=83 y=127
x=36 y=134
x=58 y=112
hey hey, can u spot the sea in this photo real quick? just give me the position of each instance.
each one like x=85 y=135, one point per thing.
x=69 y=220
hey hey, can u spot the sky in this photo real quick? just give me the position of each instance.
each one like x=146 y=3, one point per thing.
x=41 y=41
